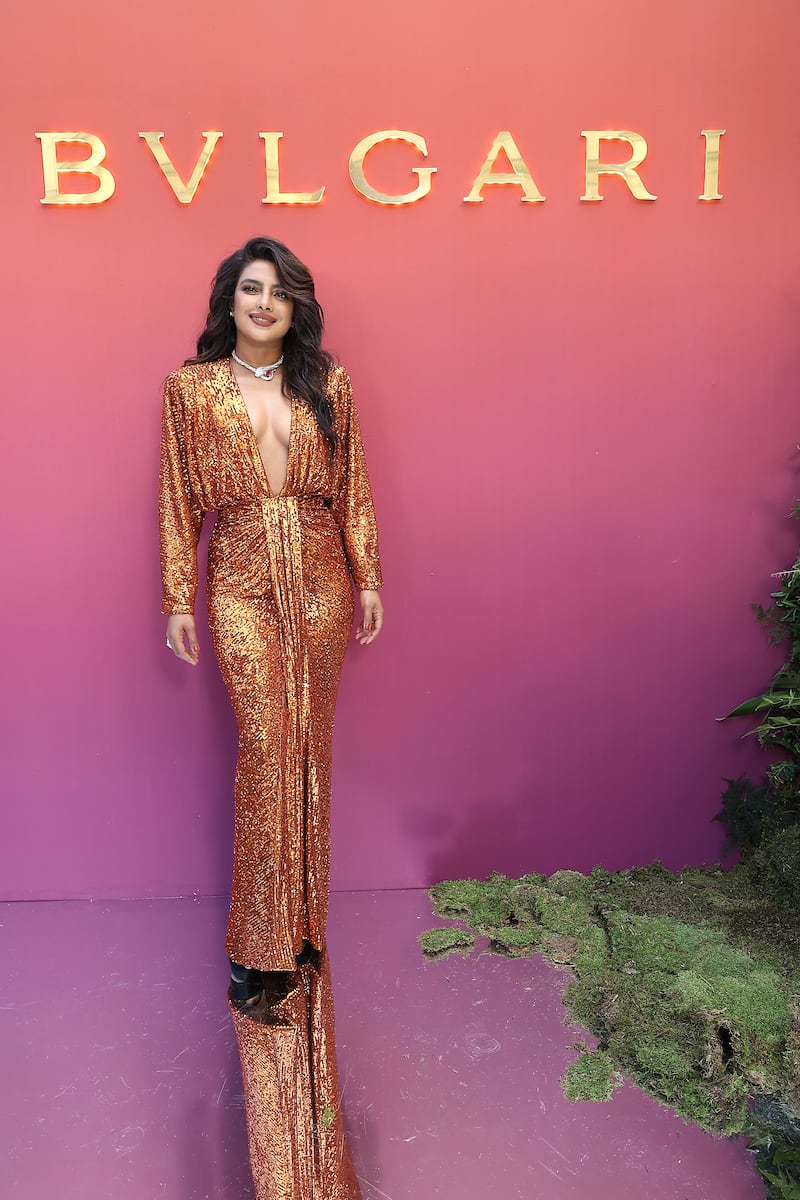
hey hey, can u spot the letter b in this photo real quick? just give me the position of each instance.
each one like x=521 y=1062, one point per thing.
x=52 y=169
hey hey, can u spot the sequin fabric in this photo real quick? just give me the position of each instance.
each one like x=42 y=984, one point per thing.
x=280 y=606
x=298 y=1144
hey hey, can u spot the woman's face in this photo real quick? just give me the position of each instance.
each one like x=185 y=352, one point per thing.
x=262 y=310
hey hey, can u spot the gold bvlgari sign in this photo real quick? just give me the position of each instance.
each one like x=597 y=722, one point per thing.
x=56 y=164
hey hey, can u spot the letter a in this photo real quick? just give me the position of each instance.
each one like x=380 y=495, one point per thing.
x=520 y=175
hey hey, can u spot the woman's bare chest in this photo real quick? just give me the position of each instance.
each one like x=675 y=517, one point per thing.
x=270 y=413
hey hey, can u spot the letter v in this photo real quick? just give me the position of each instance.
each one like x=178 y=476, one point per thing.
x=184 y=191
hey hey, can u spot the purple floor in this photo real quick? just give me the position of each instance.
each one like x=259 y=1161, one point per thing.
x=122 y=1076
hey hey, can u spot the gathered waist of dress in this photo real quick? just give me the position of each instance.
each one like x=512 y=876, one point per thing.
x=251 y=538
x=244 y=512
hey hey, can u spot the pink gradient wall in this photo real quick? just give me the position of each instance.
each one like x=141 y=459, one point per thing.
x=579 y=418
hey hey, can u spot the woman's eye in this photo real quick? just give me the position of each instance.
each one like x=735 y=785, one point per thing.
x=248 y=287
x=281 y=294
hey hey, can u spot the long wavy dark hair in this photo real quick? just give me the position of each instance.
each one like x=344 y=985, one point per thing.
x=305 y=364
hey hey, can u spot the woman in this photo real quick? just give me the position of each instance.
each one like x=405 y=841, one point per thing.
x=260 y=426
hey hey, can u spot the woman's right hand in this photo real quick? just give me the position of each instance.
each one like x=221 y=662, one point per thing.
x=182 y=637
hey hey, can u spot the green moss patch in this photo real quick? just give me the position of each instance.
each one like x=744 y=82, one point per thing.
x=438 y=943
x=591 y=1077
x=690 y=982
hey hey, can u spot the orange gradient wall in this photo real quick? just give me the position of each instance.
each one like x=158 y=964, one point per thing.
x=580 y=421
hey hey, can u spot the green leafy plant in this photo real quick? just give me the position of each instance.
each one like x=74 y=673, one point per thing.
x=775 y=1139
x=751 y=811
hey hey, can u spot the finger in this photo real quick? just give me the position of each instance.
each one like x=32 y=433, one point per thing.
x=371 y=625
x=191 y=655
x=192 y=647
x=183 y=644
x=178 y=644
x=367 y=620
x=189 y=648
x=377 y=625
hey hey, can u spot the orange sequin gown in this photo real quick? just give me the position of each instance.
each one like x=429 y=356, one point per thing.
x=280 y=606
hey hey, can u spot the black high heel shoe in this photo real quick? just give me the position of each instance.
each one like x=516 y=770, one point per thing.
x=247 y=986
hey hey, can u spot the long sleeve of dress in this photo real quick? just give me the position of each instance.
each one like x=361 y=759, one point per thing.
x=180 y=517
x=352 y=504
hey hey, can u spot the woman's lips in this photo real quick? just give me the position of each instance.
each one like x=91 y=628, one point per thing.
x=260 y=319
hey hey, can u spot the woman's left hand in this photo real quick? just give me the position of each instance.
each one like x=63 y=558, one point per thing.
x=372 y=619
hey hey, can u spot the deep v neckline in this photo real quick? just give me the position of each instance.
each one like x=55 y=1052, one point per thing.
x=253 y=441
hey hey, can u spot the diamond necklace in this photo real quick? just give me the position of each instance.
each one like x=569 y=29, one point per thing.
x=259 y=372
